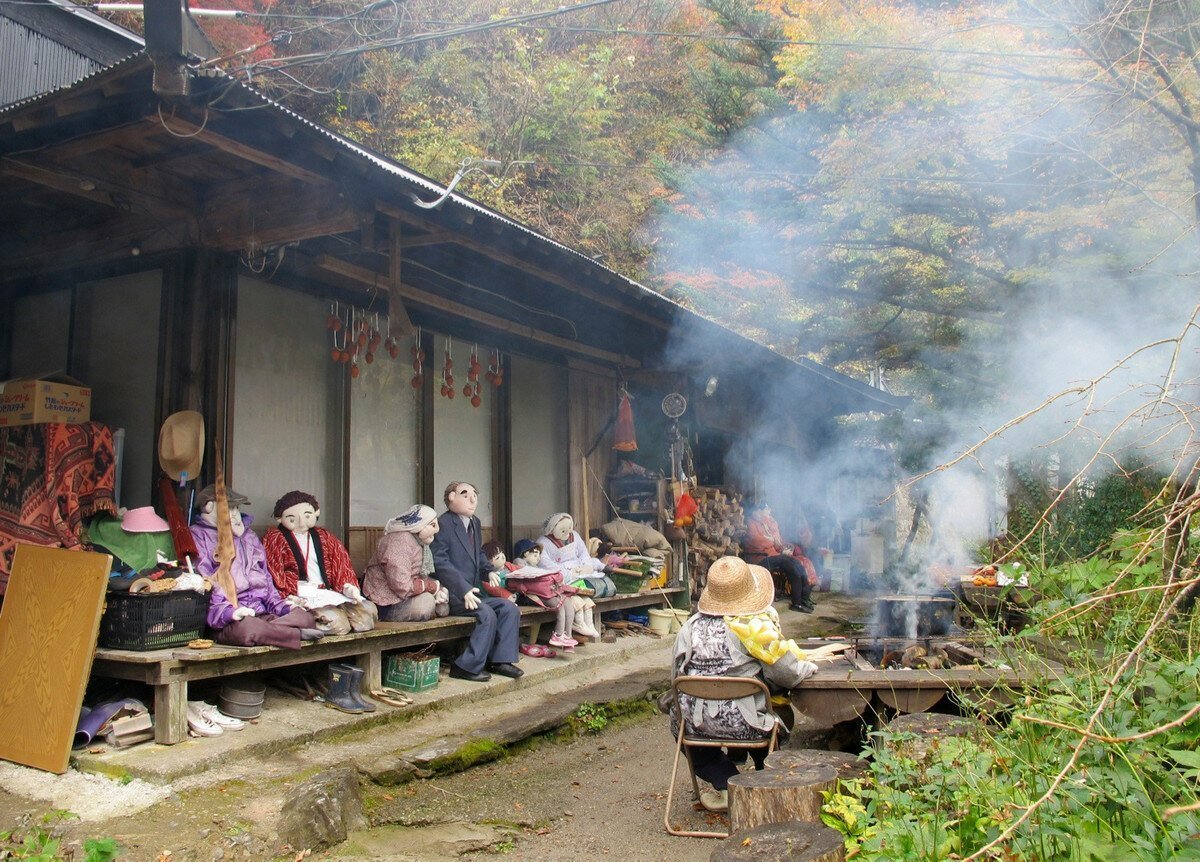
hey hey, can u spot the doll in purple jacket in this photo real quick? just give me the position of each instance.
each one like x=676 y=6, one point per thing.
x=262 y=617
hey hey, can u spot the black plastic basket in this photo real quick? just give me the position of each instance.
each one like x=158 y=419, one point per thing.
x=145 y=621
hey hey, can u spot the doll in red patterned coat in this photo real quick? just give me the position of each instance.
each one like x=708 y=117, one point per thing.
x=308 y=562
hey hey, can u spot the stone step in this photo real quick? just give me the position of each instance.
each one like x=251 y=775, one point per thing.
x=289 y=726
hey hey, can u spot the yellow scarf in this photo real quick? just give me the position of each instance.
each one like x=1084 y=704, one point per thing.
x=761 y=636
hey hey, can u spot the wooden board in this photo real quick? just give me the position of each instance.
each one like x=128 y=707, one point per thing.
x=48 y=628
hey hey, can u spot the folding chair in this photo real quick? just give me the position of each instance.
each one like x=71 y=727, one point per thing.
x=712 y=688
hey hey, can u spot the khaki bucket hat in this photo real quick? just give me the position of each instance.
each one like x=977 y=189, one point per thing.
x=181 y=445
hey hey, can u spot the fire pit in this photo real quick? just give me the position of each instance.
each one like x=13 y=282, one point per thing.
x=907 y=675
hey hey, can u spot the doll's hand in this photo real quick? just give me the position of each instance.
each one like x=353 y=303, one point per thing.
x=441 y=597
x=471 y=600
x=432 y=585
x=352 y=592
x=294 y=600
x=494 y=579
x=242 y=612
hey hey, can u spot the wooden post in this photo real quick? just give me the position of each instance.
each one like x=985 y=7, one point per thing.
x=585 y=522
x=777 y=796
x=783 y=842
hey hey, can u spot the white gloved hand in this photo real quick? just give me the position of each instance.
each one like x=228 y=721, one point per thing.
x=471 y=600
x=494 y=578
x=441 y=597
x=352 y=592
x=294 y=600
x=242 y=612
x=806 y=669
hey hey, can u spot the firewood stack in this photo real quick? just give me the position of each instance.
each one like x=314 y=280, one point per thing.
x=716 y=531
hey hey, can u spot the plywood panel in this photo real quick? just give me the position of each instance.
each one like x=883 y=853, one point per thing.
x=48 y=628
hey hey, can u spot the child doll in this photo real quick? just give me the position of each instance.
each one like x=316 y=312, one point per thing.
x=543 y=587
x=495 y=585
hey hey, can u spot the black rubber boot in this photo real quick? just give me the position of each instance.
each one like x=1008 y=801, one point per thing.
x=355 y=687
x=339 y=691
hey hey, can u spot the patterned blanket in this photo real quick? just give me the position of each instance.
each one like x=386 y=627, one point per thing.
x=52 y=477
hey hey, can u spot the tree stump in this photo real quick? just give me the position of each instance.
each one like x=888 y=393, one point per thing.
x=783 y=842
x=778 y=795
x=928 y=727
x=797 y=759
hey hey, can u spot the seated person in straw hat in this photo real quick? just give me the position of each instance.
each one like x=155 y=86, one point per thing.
x=399 y=578
x=735 y=633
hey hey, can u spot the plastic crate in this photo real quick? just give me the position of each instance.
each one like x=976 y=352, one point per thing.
x=411 y=672
x=629 y=583
x=146 y=621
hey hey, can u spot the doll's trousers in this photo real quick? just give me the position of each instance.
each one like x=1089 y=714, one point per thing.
x=495 y=639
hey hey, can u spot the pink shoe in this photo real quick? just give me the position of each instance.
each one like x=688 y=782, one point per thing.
x=563 y=641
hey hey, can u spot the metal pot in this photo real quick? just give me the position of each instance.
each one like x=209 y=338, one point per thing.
x=914 y=615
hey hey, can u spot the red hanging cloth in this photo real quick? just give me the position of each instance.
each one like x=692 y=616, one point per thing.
x=624 y=439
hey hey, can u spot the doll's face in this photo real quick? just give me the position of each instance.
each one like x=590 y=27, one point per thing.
x=463 y=499
x=299 y=518
x=532 y=557
x=562 y=530
x=498 y=561
x=209 y=516
x=425 y=534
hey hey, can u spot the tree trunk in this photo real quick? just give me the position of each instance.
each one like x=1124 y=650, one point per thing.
x=778 y=796
x=783 y=842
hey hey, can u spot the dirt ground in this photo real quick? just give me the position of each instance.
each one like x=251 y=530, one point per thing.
x=599 y=796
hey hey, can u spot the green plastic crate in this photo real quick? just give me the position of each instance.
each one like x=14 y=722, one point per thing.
x=628 y=583
x=411 y=672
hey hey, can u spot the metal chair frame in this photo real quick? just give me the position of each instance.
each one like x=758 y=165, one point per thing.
x=712 y=688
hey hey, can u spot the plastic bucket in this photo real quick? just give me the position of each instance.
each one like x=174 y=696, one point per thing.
x=662 y=621
x=678 y=618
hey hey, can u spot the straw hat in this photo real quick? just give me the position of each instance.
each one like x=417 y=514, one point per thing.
x=735 y=587
x=181 y=444
x=143 y=520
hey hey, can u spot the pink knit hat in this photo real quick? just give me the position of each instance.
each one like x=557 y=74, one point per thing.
x=143 y=520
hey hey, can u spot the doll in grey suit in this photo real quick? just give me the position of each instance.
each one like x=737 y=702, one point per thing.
x=461 y=567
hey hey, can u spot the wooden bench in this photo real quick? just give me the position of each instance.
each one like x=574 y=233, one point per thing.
x=170 y=670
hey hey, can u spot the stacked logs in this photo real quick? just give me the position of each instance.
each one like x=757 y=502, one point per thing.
x=716 y=531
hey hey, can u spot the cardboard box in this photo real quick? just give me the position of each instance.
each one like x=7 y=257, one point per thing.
x=45 y=398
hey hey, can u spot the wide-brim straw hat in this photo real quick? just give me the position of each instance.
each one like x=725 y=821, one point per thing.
x=181 y=444
x=735 y=587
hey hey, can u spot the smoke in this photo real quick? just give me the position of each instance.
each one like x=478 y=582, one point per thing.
x=1057 y=228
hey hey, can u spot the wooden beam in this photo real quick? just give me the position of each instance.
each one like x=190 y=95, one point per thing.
x=99 y=191
x=100 y=140
x=272 y=213
x=203 y=133
x=109 y=241
x=380 y=282
x=399 y=322
x=525 y=266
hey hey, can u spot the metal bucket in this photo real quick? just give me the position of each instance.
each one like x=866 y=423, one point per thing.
x=242 y=699
x=914 y=615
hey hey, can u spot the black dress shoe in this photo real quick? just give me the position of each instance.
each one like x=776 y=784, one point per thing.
x=804 y=608
x=458 y=673
x=506 y=669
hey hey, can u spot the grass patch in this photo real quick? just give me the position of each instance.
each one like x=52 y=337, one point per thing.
x=471 y=754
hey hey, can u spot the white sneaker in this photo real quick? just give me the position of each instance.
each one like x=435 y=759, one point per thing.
x=198 y=725
x=715 y=800
x=220 y=719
